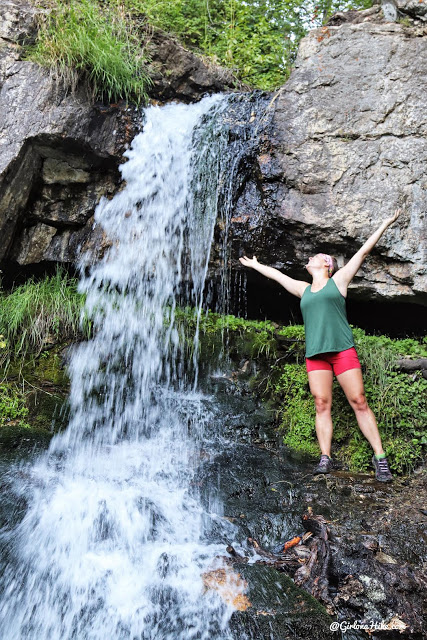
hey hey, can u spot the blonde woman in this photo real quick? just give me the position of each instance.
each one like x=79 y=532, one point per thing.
x=330 y=345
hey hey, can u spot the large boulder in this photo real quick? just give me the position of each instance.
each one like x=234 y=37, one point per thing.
x=60 y=152
x=346 y=146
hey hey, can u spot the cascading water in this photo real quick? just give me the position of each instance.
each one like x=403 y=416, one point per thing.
x=112 y=544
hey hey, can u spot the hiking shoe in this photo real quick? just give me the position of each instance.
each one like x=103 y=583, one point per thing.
x=325 y=465
x=382 y=471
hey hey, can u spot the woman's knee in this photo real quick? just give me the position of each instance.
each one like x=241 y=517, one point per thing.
x=358 y=402
x=323 y=404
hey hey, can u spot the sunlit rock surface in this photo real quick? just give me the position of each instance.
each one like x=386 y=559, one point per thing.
x=347 y=145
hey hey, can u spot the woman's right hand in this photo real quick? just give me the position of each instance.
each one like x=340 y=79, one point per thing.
x=248 y=262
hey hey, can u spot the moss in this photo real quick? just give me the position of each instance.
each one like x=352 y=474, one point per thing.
x=398 y=400
x=405 y=21
x=49 y=367
x=15 y=428
x=33 y=401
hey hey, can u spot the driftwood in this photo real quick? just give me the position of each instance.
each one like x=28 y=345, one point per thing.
x=313 y=576
x=310 y=568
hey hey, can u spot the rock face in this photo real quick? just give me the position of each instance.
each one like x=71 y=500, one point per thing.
x=177 y=74
x=338 y=148
x=59 y=153
x=347 y=144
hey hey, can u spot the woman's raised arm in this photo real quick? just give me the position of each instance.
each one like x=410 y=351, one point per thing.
x=296 y=287
x=346 y=274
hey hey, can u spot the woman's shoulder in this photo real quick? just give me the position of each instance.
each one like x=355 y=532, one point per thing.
x=304 y=287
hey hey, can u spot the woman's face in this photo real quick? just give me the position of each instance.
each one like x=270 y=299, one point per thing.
x=317 y=261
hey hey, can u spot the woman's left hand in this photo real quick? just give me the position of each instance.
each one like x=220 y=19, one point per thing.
x=388 y=221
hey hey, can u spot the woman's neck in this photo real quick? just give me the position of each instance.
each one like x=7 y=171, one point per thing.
x=319 y=280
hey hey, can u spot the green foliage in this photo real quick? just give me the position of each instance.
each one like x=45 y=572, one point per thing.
x=210 y=322
x=297 y=413
x=12 y=406
x=256 y=337
x=94 y=41
x=398 y=401
x=256 y=38
x=40 y=314
x=100 y=40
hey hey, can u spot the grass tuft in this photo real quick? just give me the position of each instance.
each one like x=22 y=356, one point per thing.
x=37 y=315
x=81 y=40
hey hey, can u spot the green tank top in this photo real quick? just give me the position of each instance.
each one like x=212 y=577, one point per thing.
x=325 y=320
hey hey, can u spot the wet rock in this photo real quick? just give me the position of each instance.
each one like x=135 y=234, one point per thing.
x=13 y=437
x=278 y=609
x=366 y=558
x=346 y=146
x=178 y=74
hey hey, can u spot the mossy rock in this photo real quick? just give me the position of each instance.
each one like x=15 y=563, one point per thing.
x=279 y=609
x=23 y=437
x=46 y=410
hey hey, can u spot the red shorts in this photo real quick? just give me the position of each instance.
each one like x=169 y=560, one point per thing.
x=336 y=361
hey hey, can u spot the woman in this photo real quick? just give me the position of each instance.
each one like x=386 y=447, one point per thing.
x=330 y=345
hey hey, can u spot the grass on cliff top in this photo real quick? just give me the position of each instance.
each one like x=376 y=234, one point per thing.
x=95 y=42
x=102 y=42
x=37 y=315
x=258 y=40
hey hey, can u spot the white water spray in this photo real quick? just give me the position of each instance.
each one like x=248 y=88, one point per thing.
x=112 y=544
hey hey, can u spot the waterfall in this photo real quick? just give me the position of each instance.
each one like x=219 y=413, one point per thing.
x=112 y=543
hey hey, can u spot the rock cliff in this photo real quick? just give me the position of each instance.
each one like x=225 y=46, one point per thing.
x=346 y=145
x=59 y=153
x=342 y=144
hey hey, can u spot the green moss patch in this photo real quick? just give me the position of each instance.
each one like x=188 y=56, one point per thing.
x=398 y=400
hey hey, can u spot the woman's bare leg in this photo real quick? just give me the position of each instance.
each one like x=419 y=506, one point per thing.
x=321 y=388
x=352 y=384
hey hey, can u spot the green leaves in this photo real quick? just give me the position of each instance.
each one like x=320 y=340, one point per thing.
x=12 y=406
